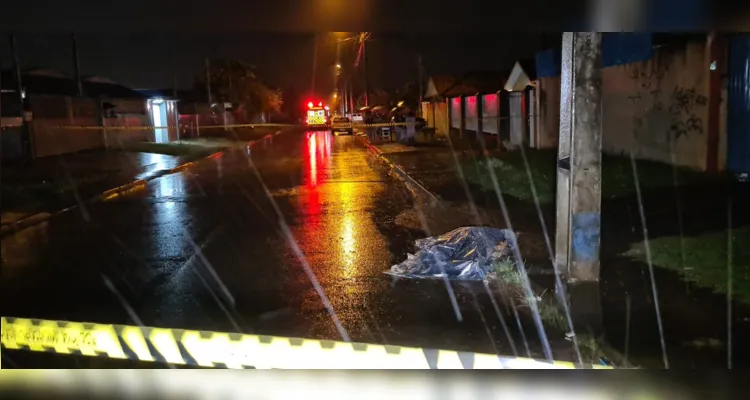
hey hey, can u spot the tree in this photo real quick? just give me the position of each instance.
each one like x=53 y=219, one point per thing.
x=409 y=94
x=377 y=98
x=237 y=82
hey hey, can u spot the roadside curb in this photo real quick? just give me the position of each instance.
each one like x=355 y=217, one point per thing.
x=607 y=351
x=13 y=227
x=400 y=171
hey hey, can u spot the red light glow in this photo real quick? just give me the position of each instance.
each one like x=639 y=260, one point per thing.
x=310 y=104
x=320 y=104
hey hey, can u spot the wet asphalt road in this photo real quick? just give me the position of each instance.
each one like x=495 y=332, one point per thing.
x=206 y=249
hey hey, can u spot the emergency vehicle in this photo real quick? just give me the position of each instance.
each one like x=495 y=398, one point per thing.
x=318 y=116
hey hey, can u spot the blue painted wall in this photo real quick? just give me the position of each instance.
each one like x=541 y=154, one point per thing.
x=738 y=106
x=617 y=49
x=624 y=48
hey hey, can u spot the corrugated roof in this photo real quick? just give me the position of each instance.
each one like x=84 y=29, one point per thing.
x=483 y=82
x=443 y=82
x=114 y=91
x=48 y=82
x=35 y=83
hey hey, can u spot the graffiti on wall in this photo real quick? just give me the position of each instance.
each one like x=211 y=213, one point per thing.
x=684 y=103
x=663 y=114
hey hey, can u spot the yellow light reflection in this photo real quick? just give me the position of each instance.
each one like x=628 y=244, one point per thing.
x=348 y=231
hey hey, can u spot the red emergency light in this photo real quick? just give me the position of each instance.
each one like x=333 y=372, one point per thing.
x=320 y=104
x=310 y=105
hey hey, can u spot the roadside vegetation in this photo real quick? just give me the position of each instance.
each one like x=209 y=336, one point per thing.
x=704 y=259
x=617 y=175
x=30 y=194
x=507 y=276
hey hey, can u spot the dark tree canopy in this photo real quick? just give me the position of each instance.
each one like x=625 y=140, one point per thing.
x=237 y=82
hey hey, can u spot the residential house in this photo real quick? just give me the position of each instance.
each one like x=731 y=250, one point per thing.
x=434 y=105
x=473 y=102
x=60 y=121
x=523 y=103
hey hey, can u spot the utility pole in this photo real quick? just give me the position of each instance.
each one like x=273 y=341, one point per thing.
x=351 y=95
x=208 y=81
x=314 y=65
x=419 y=73
x=25 y=131
x=77 y=66
x=579 y=176
x=367 y=78
x=337 y=67
x=345 y=98
x=174 y=73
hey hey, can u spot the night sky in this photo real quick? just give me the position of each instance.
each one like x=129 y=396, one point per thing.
x=125 y=41
x=285 y=60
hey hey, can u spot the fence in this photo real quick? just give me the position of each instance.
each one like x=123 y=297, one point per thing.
x=48 y=112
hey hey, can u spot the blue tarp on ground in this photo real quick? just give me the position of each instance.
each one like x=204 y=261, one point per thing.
x=467 y=253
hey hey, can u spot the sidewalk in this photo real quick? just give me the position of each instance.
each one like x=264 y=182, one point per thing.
x=53 y=183
x=688 y=249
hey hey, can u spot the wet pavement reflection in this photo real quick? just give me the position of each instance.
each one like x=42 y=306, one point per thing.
x=206 y=248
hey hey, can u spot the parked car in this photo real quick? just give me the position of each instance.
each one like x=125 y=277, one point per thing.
x=342 y=125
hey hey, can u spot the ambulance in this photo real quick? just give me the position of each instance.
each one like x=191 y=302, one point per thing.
x=318 y=116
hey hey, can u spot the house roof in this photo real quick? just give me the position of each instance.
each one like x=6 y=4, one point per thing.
x=39 y=82
x=182 y=94
x=483 y=82
x=52 y=82
x=437 y=85
x=522 y=75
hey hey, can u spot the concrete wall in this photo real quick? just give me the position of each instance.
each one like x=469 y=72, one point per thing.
x=49 y=139
x=426 y=110
x=11 y=136
x=490 y=113
x=441 y=118
x=117 y=137
x=548 y=129
x=435 y=114
x=455 y=110
x=658 y=109
x=471 y=118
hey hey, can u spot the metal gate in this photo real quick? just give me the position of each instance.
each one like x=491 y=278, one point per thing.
x=738 y=113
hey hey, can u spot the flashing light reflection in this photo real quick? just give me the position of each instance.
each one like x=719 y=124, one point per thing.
x=312 y=153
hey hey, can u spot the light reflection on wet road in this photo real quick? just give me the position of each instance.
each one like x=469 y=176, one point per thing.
x=203 y=249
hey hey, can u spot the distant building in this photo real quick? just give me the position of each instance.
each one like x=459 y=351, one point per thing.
x=60 y=121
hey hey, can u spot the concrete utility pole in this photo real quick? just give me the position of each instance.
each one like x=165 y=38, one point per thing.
x=579 y=174
x=208 y=81
x=367 y=78
x=25 y=129
x=314 y=64
x=419 y=80
x=77 y=66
